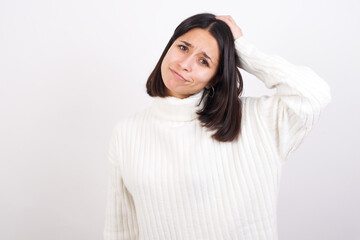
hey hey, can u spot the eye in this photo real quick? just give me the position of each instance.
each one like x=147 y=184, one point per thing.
x=205 y=62
x=182 y=47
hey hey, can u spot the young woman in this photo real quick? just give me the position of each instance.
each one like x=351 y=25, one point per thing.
x=203 y=162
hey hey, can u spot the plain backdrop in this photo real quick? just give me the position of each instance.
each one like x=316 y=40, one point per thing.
x=70 y=69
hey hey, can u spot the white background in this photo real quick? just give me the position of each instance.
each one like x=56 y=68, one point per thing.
x=70 y=69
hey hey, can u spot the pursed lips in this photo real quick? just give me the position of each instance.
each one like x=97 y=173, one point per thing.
x=178 y=75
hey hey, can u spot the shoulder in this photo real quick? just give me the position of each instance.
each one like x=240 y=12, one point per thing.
x=131 y=121
x=256 y=108
x=260 y=103
x=248 y=102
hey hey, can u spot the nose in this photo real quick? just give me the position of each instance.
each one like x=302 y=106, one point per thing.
x=186 y=63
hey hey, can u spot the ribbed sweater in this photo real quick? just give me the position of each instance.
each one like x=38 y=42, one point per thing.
x=169 y=179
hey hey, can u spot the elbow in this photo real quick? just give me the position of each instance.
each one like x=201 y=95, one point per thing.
x=326 y=95
x=319 y=99
x=322 y=91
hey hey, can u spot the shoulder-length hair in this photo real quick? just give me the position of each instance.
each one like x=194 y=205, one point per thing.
x=222 y=112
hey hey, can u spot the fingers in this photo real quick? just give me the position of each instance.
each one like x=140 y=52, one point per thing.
x=226 y=18
x=235 y=29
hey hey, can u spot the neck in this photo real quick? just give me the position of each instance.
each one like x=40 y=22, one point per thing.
x=177 y=109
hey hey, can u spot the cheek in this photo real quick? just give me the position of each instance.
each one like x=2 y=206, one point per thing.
x=170 y=58
x=164 y=64
x=204 y=76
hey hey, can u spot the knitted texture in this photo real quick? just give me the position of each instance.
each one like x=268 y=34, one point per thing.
x=169 y=179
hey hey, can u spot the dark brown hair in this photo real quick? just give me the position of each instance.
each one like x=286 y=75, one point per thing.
x=223 y=111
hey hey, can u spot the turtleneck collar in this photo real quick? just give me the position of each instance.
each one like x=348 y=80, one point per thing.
x=177 y=109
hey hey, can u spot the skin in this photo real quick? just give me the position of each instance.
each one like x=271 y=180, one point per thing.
x=191 y=63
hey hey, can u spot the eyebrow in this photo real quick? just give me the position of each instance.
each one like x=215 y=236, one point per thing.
x=190 y=45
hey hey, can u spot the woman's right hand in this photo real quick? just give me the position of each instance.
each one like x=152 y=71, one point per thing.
x=235 y=29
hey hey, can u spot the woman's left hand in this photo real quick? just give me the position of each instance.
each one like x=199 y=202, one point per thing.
x=235 y=29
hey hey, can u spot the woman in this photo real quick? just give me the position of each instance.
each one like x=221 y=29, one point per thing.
x=203 y=162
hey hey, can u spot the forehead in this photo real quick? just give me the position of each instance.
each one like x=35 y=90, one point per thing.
x=202 y=40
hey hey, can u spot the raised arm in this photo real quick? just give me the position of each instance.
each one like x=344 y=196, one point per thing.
x=300 y=96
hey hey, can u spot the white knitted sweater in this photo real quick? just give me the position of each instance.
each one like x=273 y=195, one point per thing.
x=169 y=179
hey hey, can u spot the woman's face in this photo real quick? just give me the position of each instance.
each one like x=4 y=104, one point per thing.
x=190 y=63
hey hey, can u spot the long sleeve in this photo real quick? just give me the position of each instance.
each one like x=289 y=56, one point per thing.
x=300 y=96
x=120 y=217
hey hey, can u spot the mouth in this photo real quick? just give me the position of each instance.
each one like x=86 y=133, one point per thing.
x=178 y=75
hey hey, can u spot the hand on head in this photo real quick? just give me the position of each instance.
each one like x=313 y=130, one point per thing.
x=235 y=29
